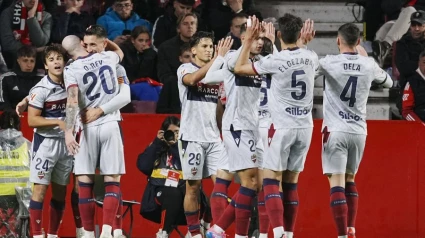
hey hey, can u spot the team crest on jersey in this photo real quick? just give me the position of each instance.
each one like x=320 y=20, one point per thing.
x=254 y=158
x=40 y=174
x=194 y=171
x=32 y=96
x=271 y=134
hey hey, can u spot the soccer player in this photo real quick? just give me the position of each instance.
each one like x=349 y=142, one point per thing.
x=348 y=78
x=290 y=103
x=50 y=161
x=200 y=145
x=242 y=97
x=91 y=81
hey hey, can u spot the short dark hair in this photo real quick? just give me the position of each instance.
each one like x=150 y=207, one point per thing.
x=196 y=38
x=422 y=54
x=290 y=27
x=185 y=47
x=170 y=120
x=186 y=2
x=239 y=15
x=115 y=1
x=27 y=51
x=96 y=30
x=54 y=48
x=350 y=33
x=191 y=14
x=10 y=119
x=139 y=30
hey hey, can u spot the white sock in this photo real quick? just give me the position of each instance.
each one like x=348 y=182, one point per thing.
x=263 y=235
x=52 y=236
x=289 y=234
x=206 y=225
x=117 y=232
x=351 y=228
x=106 y=229
x=238 y=236
x=80 y=229
x=218 y=229
x=342 y=236
x=38 y=236
x=197 y=236
x=89 y=234
x=278 y=232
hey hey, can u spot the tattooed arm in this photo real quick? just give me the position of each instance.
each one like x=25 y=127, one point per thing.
x=71 y=111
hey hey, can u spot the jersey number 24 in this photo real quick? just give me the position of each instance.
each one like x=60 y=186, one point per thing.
x=89 y=93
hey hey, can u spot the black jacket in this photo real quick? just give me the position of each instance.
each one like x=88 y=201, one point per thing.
x=16 y=85
x=417 y=84
x=420 y=5
x=407 y=56
x=139 y=65
x=168 y=63
x=164 y=28
x=65 y=24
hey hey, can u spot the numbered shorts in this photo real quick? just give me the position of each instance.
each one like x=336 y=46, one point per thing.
x=342 y=152
x=200 y=159
x=50 y=161
x=287 y=149
x=244 y=149
x=100 y=147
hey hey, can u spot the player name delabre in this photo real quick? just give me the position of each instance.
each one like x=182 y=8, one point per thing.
x=93 y=65
x=295 y=62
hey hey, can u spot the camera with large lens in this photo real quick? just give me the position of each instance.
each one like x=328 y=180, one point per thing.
x=169 y=135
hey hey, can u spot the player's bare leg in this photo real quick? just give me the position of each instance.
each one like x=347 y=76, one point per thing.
x=111 y=204
x=352 y=198
x=290 y=201
x=191 y=207
x=339 y=203
x=76 y=210
x=36 y=209
x=244 y=197
x=273 y=201
x=264 y=221
x=86 y=203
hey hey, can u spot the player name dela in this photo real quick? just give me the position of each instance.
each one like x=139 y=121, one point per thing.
x=295 y=62
x=93 y=65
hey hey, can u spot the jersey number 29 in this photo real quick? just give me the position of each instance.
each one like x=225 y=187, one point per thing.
x=351 y=83
x=103 y=78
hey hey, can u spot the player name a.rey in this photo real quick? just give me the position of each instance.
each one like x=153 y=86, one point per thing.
x=295 y=62
x=93 y=65
x=351 y=66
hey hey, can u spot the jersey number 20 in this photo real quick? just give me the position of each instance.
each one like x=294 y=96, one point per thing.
x=102 y=76
x=351 y=83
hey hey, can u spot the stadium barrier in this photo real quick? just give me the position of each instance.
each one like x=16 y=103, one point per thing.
x=390 y=182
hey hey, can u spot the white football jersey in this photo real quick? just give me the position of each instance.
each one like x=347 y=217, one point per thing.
x=348 y=78
x=291 y=93
x=96 y=78
x=199 y=103
x=50 y=98
x=242 y=95
x=263 y=112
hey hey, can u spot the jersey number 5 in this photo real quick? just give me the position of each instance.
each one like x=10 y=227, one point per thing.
x=300 y=83
x=102 y=76
x=264 y=91
x=351 y=83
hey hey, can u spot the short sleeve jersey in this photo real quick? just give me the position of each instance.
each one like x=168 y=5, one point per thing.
x=50 y=98
x=348 y=78
x=199 y=103
x=291 y=93
x=96 y=78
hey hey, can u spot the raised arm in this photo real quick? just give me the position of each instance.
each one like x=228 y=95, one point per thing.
x=243 y=66
x=112 y=46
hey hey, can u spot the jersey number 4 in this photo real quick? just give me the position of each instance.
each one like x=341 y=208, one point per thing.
x=103 y=78
x=351 y=83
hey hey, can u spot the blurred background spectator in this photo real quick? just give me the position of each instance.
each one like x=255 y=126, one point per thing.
x=168 y=63
x=119 y=20
x=73 y=21
x=140 y=59
x=31 y=27
x=235 y=29
x=17 y=83
x=414 y=94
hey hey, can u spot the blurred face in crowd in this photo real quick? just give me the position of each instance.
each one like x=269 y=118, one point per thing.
x=180 y=9
x=422 y=65
x=123 y=8
x=54 y=64
x=203 y=51
x=188 y=27
x=186 y=57
x=257 y=45
x=26 y=64
x=29 y=3
x=74 y=4
x=94 y=44
x=417 y=29
x=235 y=28
x=142 y=42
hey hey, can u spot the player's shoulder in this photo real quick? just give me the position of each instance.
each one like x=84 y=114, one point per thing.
x=42 y=85
x=186 y=67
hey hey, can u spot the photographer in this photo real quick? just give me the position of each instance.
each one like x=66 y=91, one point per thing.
x=165 y=189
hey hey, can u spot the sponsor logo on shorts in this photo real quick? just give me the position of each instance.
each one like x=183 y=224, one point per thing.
x=254 y=158
x=40 y=174
x=194 y=170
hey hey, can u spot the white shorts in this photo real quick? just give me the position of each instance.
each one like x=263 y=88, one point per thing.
x=244 y=149
x=50 y=161
x=287 y=149
x=100 y=146
x=342 y=152
x=200 y=159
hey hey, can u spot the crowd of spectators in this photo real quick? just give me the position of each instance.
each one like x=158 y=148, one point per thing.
x=153 y=34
